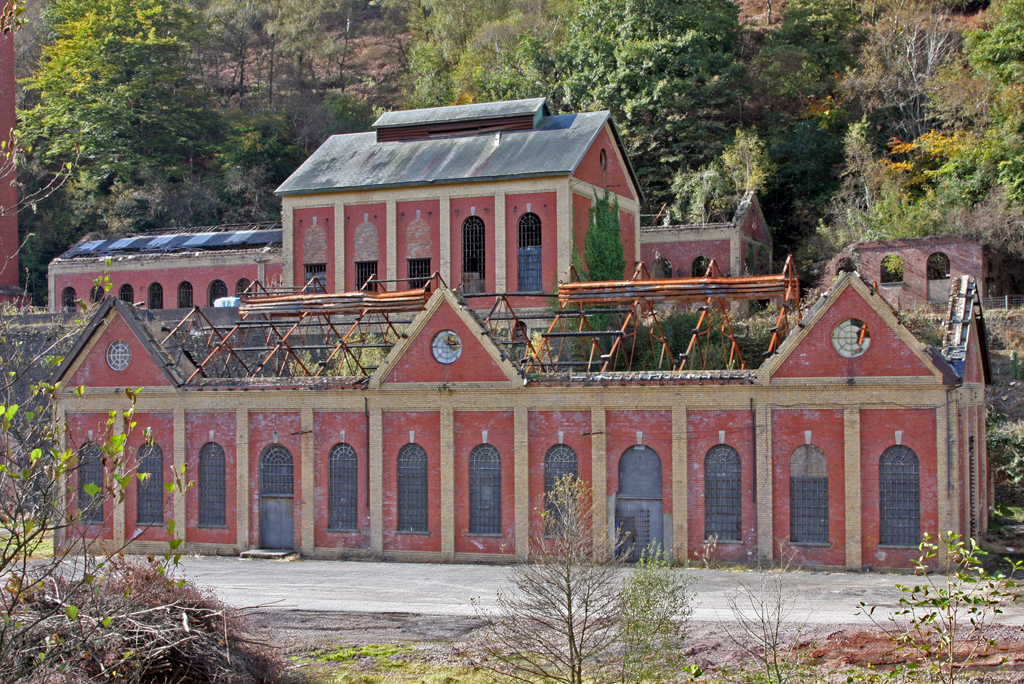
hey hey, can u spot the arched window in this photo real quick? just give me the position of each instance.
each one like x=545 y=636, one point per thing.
x=217 y=290
x=185 y=295
x=241 y=286
x=559 y=461
x=126 y=293
x=276 y=472
x=938 y=266
x=661 y=268
x=95 y=294
x=846 y=265
x=892 y=268
x=412 y=489
x=156 y=296
x=484 y=490
x=150 y=508
x=69 y=299
x=899 y=497
x=530 y=256
x=604 y=160
x=808 y=495
x=700 y=267
x=473 y=255
x=90 y=472
x=343 y=491
x=723 y=516
x=212 y=486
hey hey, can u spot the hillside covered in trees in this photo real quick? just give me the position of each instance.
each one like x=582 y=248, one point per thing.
x=855 y=119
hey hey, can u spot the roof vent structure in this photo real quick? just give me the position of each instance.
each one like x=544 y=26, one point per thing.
x=438 y=122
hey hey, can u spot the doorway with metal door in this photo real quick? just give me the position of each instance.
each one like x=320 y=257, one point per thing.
x=277 y=502
x=639 y=516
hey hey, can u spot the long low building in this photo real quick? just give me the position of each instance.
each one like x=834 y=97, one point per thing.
x=844 y=448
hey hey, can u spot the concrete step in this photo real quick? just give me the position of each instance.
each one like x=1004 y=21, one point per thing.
x=268 y=554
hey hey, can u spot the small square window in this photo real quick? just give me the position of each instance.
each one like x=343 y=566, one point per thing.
x=419 y=273
x=317 y=272
x=364 y=271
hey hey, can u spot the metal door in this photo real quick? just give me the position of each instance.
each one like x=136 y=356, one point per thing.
x=638 y=506
x=277 y=526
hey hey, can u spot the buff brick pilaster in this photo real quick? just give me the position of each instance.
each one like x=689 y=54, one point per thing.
x=680 y=488
x=307 y=474
x=522 y=480
x=851 y=440
x=447 y=485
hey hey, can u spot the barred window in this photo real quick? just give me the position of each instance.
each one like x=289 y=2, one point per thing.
x=90 y=472
x=899 y=500
x=156 y=296
x=808 y=495
x=364 y=271
x=484 y=490
x=276 y=475
x=723 y=513
x=474 y=255
x=69 y=299
x=241 y=286
x=126 y=293
x=530 y=255
x=419 y=273
x=96 y=294
x=317 y=272
x=412 y=489
x=185 y=295
x=150 y=508
x=212 y=486
x=217 y=290
x=342 y=495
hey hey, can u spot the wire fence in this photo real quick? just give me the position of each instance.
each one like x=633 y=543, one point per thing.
x=1005 y=302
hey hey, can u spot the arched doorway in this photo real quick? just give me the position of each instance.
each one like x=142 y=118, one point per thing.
x=277 y=526
x=638 y=508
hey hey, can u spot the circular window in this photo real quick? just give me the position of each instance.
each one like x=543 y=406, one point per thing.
x=447 y=347
x=851 y=338
x=119 y=354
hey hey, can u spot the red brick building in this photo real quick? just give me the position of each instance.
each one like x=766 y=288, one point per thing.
x=9 y=289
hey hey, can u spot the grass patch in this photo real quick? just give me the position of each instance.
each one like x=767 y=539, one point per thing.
x=385 y=664
x=381 y=652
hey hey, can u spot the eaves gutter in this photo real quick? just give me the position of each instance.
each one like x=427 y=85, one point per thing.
x=417 y=183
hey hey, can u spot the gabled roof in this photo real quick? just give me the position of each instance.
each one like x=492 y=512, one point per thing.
x=201 y=240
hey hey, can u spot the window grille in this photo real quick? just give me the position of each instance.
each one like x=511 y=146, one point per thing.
x=899 y=501
x=150 y=508
x=90 y=471
x=212 y=486
x=276 y=471
x=317 y=272
x=217 y=290
x=972 y=483
x=419 y=273
x=95 y=294
x=156 y=296
x=412 y=489
x=342 y=495
x=530 y=256
x=126 y=293
x=474 y=255
x=723 y=513
x=808 y=495
x=241 y=286
x=700 y=267
x=364 y=271
x=185 y=295
x=484 y=490
x=69 y=299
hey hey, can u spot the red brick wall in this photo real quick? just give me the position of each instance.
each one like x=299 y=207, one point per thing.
x=621 y=428
x=500 y=428
x=544 y=429
x=8 y=191
x=682 y=255
x=614 y=176
x=627 y=223
x=354 y=216
x=703 y=433
x=461 y=209
x=427 y=426
x=197 y=433
x=79 y=426
x=887 y=355
x=826 y=427
x=142 y=371
x=877 y=433
x=429 y=214
x=543 y=205
x=302 y=221
x=161 y=426
x=261 y=435
x=580 y=225
x=473 y=365
x=327 y=428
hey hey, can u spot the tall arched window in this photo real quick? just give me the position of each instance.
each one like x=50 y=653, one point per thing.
x=938 y=266
x=185 y=295
x=899 y=497
x=699 y=268
x=277 y=474
x=212 y=486
x=474 y=255
x=484 y=490
x=69 y=299
x=808 y=495
x=343 y=491
x=217 y=290
x=530 y=273
x=95 y=294
x=156 y=296
x=412 y=489
x=241 y=286
x=126 y=293
x=90 y=472
x=723 y=515
x=150 y=508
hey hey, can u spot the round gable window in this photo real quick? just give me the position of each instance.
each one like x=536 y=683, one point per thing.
x=446 y=347
x=119 y=355
x=851 y=338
